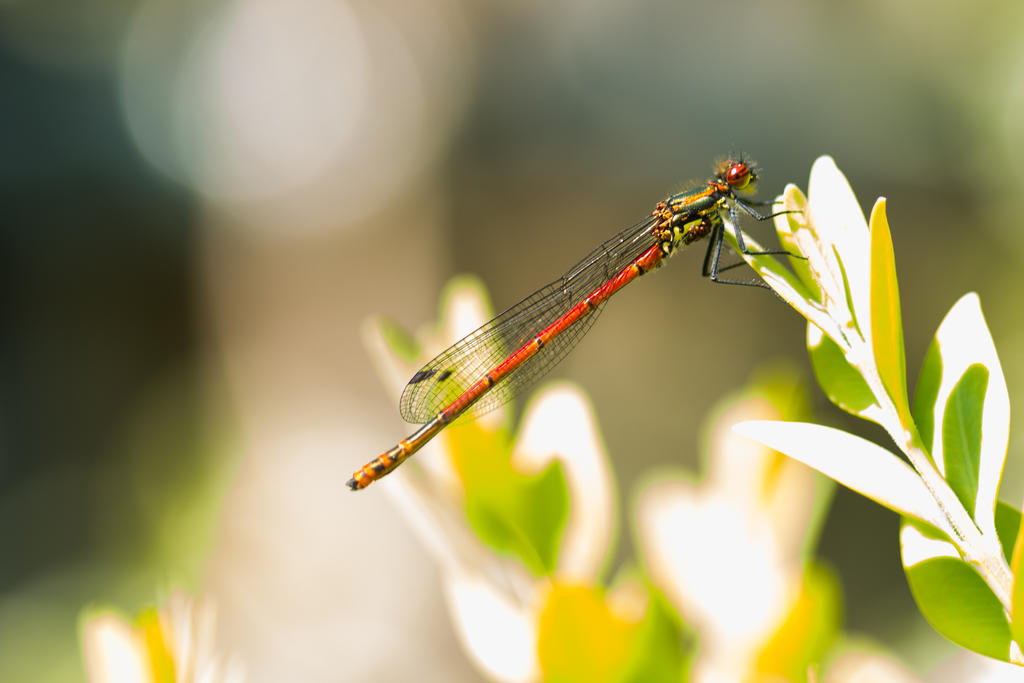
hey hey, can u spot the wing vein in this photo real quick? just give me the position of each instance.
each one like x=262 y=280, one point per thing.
x=455 y=369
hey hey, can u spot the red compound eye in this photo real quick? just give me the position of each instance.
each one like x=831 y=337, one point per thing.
x=738 y=175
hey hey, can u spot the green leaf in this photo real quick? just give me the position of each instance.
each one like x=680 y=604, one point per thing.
x=515 y=513
x=951 y=595
x=582 y=637
x=397 y=339
x=886 y=323
x=926 y=394
x=1008 y=521
x=961 y=434
x=661 y=653
x=841 y=382
x=962 y=409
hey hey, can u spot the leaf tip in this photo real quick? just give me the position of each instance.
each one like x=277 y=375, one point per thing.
x=878 y=216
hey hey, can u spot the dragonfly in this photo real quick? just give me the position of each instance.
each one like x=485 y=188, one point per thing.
x=495 y=362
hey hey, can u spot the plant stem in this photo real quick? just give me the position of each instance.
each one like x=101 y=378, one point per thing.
x=983 y=553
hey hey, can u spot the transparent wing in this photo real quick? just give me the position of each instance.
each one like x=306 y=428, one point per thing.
x=454 y=370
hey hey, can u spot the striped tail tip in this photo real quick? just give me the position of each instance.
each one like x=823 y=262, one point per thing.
x=368 y=473
x=361 y=479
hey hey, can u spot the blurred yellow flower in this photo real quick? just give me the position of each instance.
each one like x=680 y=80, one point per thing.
x=501 y=553
x=171 y=644
x=731 y=553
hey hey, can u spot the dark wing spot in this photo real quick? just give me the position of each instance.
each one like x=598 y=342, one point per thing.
x=444 y=375
x=422 y=375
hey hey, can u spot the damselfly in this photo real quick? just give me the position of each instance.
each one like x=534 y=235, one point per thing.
x=496 y=361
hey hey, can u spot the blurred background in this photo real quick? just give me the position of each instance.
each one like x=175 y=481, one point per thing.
x=202 y=202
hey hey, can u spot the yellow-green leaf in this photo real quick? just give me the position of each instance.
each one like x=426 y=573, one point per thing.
x=511 y=511
x=886 y=323
x=1017 y=620
x=585 y=637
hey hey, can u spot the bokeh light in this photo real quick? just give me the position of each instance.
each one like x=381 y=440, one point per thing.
x=317 y=111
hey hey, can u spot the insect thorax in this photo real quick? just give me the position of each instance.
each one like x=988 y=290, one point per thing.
x=678 y=229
